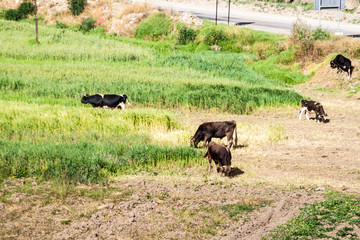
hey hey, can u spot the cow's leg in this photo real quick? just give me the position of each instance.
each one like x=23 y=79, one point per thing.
x=121 y=106
x=209 y=169
x=230 y=143
x=307 y=115
x=215 y=167
x=206 y=140
x=301 y=112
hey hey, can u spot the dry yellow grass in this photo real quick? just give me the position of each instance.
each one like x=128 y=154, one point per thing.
x=136 y=8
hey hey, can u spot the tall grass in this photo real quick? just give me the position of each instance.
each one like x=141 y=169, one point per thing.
x=73 y=144
x=225 y=97
x=86 y=162
x=40 y=122
x=56 y=44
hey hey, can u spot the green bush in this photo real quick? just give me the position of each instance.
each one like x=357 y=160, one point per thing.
x=186 y=35
x=301 y=36
x=320 y=34
x=87 y=24
x=214 y=34
x=155 y=26
x=61 y=25
x=12 y=15
x=76 y=7
x=22 y=12
x=2 y=13
x=25 y=9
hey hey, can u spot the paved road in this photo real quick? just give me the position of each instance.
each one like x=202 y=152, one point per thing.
x=258 y=21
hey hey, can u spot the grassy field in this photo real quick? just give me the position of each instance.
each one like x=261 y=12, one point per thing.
x=43 y=121
x=47 y=134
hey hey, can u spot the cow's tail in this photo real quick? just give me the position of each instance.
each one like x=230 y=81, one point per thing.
x=206 y=154
x=236 y=139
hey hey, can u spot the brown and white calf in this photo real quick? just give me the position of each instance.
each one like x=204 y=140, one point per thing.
x=221 y=156
x=312 y=106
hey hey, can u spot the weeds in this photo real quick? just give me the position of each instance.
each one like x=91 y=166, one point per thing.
x=276 y=133
x=155 y=26
x=322 y=220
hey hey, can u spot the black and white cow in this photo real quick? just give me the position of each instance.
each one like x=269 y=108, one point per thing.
x=309 y=106
x=208 y=130
x=342 y=63
x=106 y=101
x=221 y=156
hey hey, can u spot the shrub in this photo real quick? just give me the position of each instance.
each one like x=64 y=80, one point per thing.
x=155 y=26
x=320 y=34
x=12 y=15
x=22 y=12
x=87 y=24
x=2 y=13
x=263 y=50
x=214 y=34
x=61 y=25
x=76 y=7
x=186 y=35
x=25 y=9
x=301 y=36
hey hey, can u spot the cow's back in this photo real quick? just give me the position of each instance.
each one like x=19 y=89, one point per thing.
x=112 y=100
x=219 y=153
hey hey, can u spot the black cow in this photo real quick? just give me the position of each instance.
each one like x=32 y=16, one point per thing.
x=342 y=63
x=221 y=156
x=309 y=106
x=209 y=130
x=105 y=101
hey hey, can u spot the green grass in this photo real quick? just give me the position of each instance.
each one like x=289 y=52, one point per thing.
x=87 y=162
x=334 y=218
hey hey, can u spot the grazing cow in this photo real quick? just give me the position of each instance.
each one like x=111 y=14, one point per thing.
x=309 y=106
x=106 y=101
x=342 y=63
x=221 y=156
x=208 y=130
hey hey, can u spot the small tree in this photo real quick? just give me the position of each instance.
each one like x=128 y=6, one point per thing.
x=76 y=7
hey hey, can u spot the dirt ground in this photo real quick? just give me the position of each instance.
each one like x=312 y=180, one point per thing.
x=280 y=163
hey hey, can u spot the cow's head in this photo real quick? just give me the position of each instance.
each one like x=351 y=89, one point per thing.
x=333 y=64
x=193 y=143
x=226 y=170
x=320 y=110
x=85 y=98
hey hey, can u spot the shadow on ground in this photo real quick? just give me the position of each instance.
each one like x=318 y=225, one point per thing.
x=240 y=146
x=323 y=121
x=236 y=172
